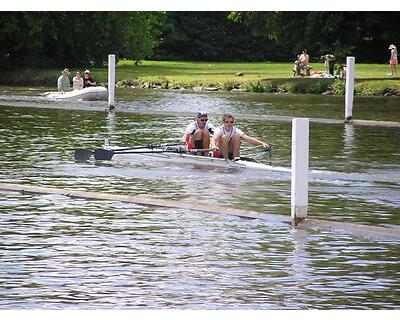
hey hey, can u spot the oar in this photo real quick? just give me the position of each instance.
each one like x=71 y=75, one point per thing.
x=104 y=154
x=269 y=151
x=82 y=155
x=149 y=146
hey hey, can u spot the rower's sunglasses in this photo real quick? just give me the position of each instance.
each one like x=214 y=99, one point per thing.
x=203 y=120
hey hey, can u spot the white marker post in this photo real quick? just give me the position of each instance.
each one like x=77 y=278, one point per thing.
x=299 y=195
x=348 y=108
x=111 y=81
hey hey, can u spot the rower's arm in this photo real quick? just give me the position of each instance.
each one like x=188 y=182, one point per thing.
x=184 y=138
x=214 y=142
x=255 y=141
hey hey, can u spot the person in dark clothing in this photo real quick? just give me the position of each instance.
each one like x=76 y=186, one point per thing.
x=88 y=80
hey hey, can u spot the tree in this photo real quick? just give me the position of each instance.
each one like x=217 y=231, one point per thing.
x=363 y=34
x=208 y=36
x=58 y=39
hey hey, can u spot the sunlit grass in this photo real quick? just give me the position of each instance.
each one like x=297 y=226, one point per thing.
x=371 y=79
x=216 y=71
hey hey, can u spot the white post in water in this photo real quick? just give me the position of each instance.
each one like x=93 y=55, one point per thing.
x=348 y=109
x=111 y=81
x=299 y=195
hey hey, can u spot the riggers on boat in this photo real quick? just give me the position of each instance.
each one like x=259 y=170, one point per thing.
x=85 y=94
x=172 y=153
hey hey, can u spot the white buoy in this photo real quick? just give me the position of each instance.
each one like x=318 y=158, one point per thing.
x=299 y=192
x=348 y=108
x=111 y=81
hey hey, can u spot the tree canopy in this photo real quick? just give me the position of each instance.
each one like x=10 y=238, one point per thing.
x=366 y=35
x=47 y=39
x=57 y=39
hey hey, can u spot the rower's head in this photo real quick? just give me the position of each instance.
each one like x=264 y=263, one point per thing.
x=202 y=118
x=228 y=120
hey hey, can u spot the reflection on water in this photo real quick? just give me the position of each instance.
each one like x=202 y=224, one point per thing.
x=58 y=252
x=312 y=106
x=64 y=253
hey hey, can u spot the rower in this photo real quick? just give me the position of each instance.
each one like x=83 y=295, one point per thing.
x=197 y=134
x=227 y=139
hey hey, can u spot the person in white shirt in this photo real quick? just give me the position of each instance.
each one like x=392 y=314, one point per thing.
x=227 y=139
x=77 y=81
x=198 y=133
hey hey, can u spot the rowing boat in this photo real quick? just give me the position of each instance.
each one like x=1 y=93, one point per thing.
x=85 y=94
x=172 y=154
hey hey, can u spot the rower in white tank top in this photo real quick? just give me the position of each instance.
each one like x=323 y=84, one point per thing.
x=227 y=139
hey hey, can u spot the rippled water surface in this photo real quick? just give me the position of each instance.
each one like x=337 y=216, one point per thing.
x=58 y=252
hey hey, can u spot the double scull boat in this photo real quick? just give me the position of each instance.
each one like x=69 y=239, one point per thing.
x=174 y=153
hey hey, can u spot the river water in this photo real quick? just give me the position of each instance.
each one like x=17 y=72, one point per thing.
x=58 y=252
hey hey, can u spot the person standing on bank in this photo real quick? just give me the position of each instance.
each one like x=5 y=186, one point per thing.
x=88 y=80
x=227 y=139
x=63 y=83
x=197 y=133
x=77 y=81
x=393 y=60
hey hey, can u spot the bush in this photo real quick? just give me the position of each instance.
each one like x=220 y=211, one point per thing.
x=270 y=86
x=254 y=86
x=314 y=86
x=229 y=85
x=338 y=87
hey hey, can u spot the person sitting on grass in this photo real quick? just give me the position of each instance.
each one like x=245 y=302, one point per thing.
x=302 y=64
x=197 y=133
x=304 y=58
x=227 y=139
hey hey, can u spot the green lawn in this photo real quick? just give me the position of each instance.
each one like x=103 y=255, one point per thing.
x=193 y=71
x=371 y=79
x=218 y=71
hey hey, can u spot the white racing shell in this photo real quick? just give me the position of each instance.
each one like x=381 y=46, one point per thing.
x=159 y=155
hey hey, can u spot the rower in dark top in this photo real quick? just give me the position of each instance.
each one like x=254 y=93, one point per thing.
x=88 y=80
x=197 y=134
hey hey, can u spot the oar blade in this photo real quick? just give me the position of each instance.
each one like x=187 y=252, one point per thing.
x=82 y=155
x=103 y=154
x=269 y=151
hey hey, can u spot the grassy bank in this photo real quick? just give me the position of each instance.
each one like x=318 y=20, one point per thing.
x=371 y=79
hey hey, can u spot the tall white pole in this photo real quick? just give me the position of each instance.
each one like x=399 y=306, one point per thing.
x=111 y=81
x=299 y=192
x=348 y=109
